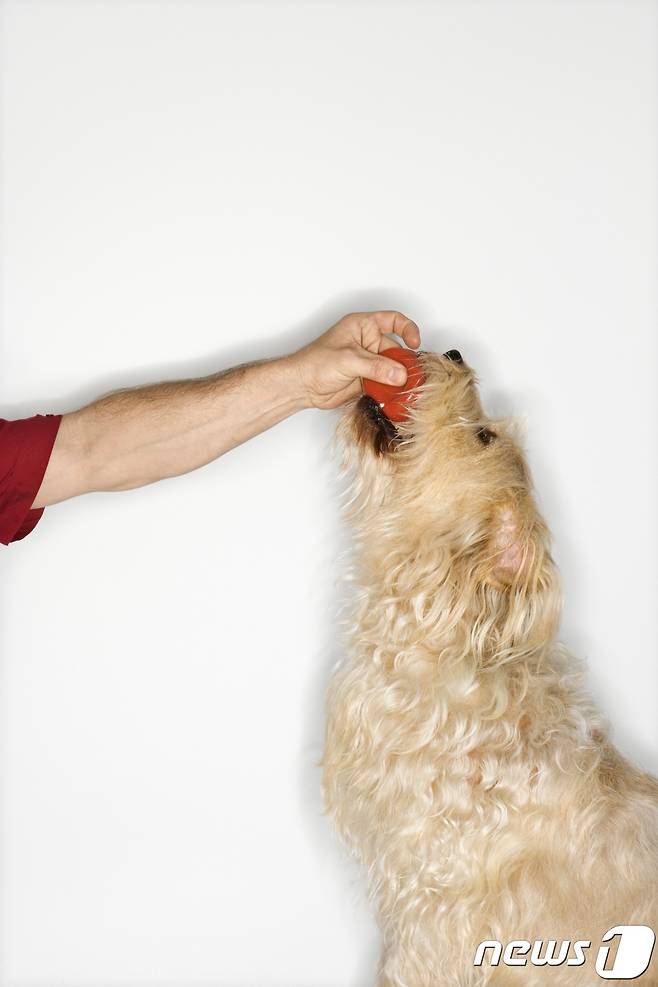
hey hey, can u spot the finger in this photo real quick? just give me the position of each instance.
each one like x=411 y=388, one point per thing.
x=361 y=363
x=400 y=324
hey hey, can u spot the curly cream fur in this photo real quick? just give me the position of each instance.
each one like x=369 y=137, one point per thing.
x=464 y=764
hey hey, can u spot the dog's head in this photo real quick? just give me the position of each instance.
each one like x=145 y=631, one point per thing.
x=446 y=496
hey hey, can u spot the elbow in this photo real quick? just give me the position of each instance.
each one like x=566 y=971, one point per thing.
x=70 y=468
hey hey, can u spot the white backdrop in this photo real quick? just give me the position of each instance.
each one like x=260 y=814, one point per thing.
x=186 y=185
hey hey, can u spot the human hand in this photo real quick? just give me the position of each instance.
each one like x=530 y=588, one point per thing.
x=331 y=367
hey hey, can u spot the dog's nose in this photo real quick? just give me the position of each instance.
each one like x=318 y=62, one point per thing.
x=454 y=355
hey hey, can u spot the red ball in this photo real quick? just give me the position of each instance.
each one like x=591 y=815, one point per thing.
x=394 y=399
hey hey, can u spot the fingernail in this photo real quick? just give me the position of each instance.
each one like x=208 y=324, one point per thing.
x=397 y=375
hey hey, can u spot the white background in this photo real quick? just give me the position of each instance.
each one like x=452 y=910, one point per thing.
x=188 y=185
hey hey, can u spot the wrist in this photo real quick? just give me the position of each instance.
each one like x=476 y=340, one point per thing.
x=290 y=371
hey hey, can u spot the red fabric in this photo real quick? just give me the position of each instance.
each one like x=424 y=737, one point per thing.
x=25 y=448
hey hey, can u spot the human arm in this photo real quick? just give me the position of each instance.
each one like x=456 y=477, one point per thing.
x=138 y=436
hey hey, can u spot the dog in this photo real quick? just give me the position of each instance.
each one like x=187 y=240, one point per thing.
x=464 y=764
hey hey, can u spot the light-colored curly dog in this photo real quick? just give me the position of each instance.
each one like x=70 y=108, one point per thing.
x=464 y=764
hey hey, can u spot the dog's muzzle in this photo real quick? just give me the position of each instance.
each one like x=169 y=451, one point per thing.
x=385 y=435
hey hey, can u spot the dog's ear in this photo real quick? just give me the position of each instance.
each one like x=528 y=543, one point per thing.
x=512 y=549
x=518 y=597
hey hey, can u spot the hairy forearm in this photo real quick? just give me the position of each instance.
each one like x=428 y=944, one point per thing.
x=138 y=436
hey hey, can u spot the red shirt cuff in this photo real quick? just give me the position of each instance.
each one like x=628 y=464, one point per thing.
x=25 y=448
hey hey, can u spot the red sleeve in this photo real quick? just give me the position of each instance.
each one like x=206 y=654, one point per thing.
x=25 y=448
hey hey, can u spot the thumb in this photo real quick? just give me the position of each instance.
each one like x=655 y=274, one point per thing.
x=381 y=369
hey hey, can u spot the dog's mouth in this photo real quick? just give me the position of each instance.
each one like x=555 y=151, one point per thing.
x=379 y=428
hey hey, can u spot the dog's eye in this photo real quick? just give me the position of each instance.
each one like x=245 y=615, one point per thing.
x=485 y=435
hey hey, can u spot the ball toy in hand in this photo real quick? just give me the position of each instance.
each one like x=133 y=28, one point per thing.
x=394 y=399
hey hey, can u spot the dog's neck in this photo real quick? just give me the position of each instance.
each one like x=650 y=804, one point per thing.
x=417 y=600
